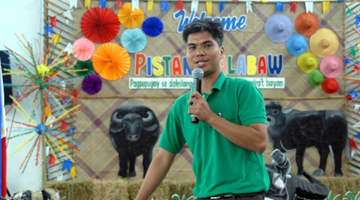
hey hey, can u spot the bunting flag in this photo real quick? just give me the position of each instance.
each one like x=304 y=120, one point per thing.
x=195 y=6
x=87 y=3
x=134 y=5
x=53 y=21
x=326 y=5
x=293 y=7
x=349 y=12
x=357 y=20
x=68 y=16
x=119 y=4
x=73 y=3
x=150 y=6
x=48 y=29
x=352 y=52
x=209 y=7
x=309 y=5
x=353 y=146
x=56 y=38
x=264 y=1
x=248 y=7
x=358 y=136
x=164 y=6
x=68 y=48
x=279 y=7
x=102 y=4
x=347 y=61
x=179 y=5
x=222 y=6
x=3 y=155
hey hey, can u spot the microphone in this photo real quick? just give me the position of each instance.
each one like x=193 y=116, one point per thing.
x=197 y=74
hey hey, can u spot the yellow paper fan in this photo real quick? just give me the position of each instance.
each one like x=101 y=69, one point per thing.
x=130 y=18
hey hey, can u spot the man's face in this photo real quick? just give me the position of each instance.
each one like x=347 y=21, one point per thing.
x=202 y=51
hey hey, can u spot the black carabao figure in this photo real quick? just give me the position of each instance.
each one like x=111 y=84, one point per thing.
x=291 y=129
x=134 y=130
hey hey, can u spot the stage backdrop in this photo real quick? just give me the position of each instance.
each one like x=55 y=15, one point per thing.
x=98 y=159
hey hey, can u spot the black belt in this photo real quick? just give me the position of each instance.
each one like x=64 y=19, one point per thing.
x=233 y=195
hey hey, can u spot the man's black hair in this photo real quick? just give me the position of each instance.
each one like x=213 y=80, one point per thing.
x=213 y=27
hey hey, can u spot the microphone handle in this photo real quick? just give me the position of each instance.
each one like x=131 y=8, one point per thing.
x=196 y=87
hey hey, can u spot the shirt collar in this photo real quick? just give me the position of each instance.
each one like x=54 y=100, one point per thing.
x=219 y=81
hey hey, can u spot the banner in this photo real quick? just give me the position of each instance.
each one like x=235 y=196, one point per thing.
x=186 y=83
x=3 y=140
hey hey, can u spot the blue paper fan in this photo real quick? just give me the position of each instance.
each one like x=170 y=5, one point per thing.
x=152 y=26
x=133 y=40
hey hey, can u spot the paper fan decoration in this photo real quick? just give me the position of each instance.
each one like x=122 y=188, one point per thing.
x=130 y=18
x=111 y=61
x=100 y=25
x=152 y=26
x=92 y=84
x=83 y=49
x=133 y=40
x=85 y=68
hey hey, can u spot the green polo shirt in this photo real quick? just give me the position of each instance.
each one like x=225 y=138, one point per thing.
x=219 y=165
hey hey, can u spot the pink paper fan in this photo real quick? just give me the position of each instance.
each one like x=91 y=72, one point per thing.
x=83 y=49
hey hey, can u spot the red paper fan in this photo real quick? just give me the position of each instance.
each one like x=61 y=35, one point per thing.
x=100 y=25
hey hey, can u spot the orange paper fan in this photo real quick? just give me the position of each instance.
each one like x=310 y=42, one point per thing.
x=130 y=18
x=111 y=61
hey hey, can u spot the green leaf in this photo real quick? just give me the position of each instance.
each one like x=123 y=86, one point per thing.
x=350 y=194
x=175 y=196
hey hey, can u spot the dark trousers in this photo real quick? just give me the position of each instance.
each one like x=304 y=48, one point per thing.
x=260 y=196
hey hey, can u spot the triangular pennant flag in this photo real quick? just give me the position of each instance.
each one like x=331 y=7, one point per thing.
x=222 y=6
x=119 y=3
x=60 y=177
x=353 y=94
x=358 y=136
x=194 y=6
x=353 y=144
x=102 y=4
x=67 y=165
x=326 y=5
x=68 y=48
x=347 y=61
x=279 y=7
x=73 y=172
x=87 y=3
x=349 y=12
x=248 y=7
x=68 y=16
x=53 y=21
x=293 y=6
x=48 y=29
x=63 y=126
x=51 y=160
x=357 y=20
x=164 y=6
x=179 y=5
x=56 y=38
x=73 y=3
x=209 y=7
x=356 y=125
x=150 y=6
x=309 y=5
x=352 y=52
x=135 y=4
x=70 y=131
x=235 y=1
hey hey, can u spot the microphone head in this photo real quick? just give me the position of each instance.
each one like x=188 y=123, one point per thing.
x=198 y=73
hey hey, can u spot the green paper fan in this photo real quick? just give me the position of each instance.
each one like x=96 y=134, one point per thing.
x=82 y=65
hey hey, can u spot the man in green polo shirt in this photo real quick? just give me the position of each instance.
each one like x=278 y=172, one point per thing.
x=228 y=142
